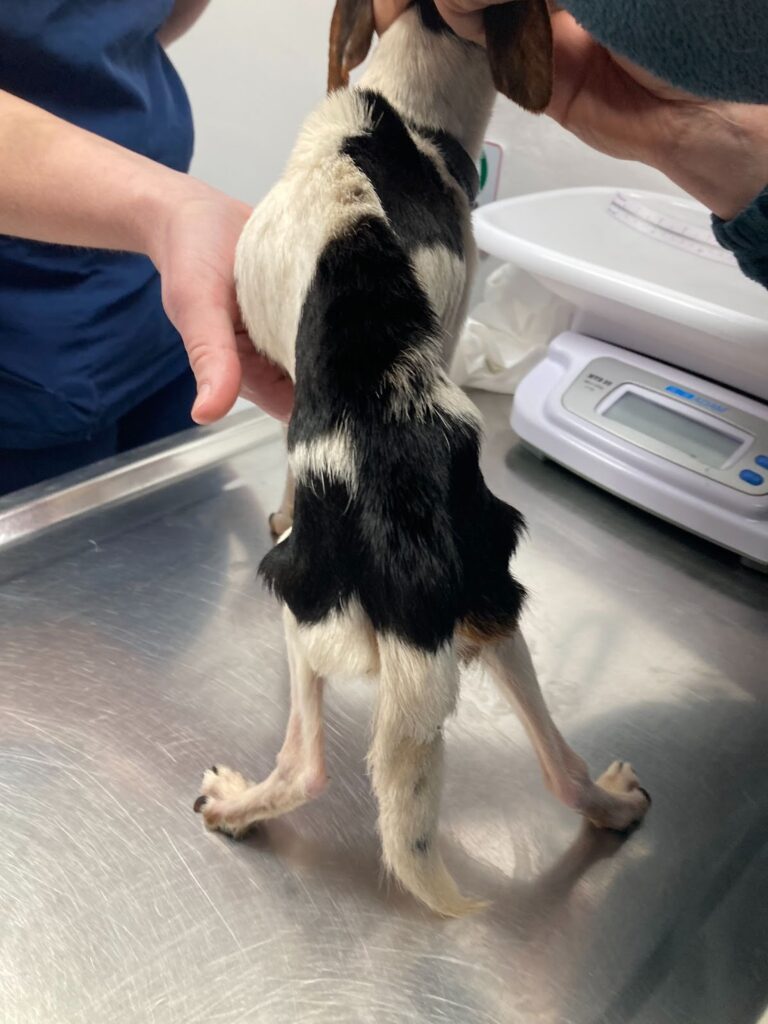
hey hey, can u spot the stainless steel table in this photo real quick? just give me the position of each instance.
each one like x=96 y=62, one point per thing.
x=137 y=647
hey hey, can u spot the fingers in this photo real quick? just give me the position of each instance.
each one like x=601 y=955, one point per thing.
x=226 y=364
x=209 y=339
x=465 y=17
x=571 y=46
x=270 y=388
x=387 y=11
x=263 y=383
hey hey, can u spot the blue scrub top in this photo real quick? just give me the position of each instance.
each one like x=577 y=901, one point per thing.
x=83 y=335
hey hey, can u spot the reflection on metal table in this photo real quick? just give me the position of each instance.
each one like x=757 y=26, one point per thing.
x=137 y=647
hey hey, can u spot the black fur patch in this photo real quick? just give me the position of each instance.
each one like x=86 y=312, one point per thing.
x=422 y=544
x=420 y=207
x=458 y=162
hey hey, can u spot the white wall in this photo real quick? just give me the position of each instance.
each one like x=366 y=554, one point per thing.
x=254 y=68
x=539 y=154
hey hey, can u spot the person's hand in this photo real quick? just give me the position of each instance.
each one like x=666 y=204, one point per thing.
x=463 y=16
x=193 y=247
x=717 y=152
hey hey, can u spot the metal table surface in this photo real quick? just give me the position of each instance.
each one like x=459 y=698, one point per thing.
x=137 y=647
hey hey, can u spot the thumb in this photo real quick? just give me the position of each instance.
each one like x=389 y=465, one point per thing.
x=465 y=17
x=387 y=11
x=209 y=338
x=572 y=49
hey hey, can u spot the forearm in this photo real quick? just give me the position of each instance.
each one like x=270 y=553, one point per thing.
x=183 y=16
x=59 y=183
x=718 y=153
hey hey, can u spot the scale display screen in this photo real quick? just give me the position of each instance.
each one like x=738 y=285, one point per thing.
x=709 y=445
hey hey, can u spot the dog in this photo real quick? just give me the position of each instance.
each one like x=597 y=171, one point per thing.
x=393 y=563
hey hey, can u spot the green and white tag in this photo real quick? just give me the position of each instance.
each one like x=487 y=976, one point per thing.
x=489 y=169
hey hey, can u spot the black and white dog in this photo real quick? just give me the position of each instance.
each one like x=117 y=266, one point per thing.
x=353 y=274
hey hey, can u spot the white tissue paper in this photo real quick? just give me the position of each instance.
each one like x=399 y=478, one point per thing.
x=507 y=333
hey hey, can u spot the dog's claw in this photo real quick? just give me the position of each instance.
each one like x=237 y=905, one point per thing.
x=200 y=804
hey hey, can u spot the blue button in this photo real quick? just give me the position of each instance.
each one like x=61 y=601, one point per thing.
x=679 y=391
x=750 y=477
x=762 y=460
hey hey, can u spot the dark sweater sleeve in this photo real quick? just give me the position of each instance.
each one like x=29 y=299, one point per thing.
x=747 y=238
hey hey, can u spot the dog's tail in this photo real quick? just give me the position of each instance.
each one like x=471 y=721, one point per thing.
x=417 y=692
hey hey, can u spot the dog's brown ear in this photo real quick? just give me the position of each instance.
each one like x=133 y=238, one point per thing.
x=518 y=37
x=351 y=35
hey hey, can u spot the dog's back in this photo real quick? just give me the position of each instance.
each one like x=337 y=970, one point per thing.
x=391 y=511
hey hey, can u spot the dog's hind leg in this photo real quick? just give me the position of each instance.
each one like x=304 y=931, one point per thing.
x=282 y=520
x=230 y=803
x=616 y=800
x=417 y=691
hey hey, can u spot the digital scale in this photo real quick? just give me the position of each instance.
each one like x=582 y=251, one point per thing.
x=676 y=435
x=693 y=453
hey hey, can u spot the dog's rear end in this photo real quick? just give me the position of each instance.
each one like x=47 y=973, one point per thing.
x=353 y=274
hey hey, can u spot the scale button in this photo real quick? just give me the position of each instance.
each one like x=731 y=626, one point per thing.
x=762 y=460
x=749 y=476
x=674 y=390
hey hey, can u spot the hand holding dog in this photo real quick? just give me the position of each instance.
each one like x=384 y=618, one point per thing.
x=717 y=152
x=193 y=247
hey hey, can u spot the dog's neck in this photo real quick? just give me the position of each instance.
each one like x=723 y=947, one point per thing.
x=433 y=78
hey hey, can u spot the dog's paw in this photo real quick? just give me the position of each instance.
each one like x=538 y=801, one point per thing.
x=630 y=801
x=221 y=786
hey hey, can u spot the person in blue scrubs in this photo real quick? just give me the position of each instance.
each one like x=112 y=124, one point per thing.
x=100 y=228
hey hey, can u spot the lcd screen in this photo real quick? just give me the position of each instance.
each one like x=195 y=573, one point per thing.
x=688 y=435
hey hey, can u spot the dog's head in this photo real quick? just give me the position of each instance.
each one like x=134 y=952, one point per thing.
x=518 y=40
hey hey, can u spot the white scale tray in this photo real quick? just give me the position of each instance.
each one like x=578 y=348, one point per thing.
x=643 y=271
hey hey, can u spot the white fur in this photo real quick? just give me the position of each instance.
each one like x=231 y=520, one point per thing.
x=320 y=196
x=342 y=645
x=417 y=692
x=331 y=456
x=443 y=276
x=421 y=708
x=449 y=399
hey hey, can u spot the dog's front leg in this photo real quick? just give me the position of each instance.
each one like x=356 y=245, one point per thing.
x=616 y=800
x=230 y=803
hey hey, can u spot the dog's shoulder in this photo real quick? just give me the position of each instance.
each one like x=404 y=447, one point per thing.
x=425 y=181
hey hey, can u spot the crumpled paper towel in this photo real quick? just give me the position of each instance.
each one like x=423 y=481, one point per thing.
x=507 y=333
